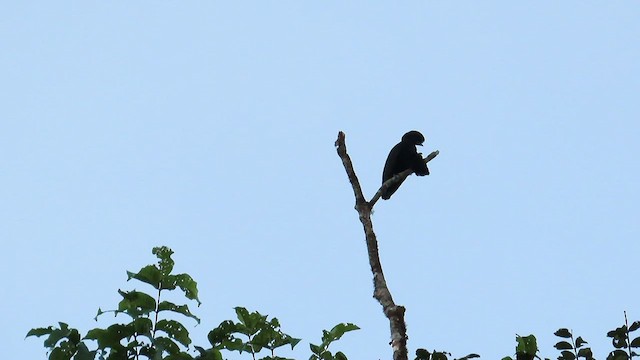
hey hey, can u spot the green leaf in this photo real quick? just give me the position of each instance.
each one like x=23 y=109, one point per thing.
x=179 y=356
x=149 y=351
x=264 y=338
x=585 y=353
x=165 y=344
x=439 y=356
x=274 y=323
x=269 y=334
x=326 y=356
x=255 y=321
x=635 y=342
x=57 y=334
x=470 y=356
x=175 y=330
x=617 y=355
x=143 y=326
x=74 y=336
x=235 y=345
x=568 y=355
x=423 y=354
x=619 y=343
x=507 y=358
x=580 y=341
x=111 y=336
x=149 y=274
x=242 y=314
x=526 y=345
x=563 y=345
x=563 y=333
x=340 y=356
x=166 y=263
x=285 y=339
x=39 y=331
x=619 y=333
x=180 y=309
x=342 y=328
x=252 y=322
x=525 y=356
x=634 y=326
x=337 y=331
x=315 y=349
x=83 y=353
x=59 y=354
x=100 y=312
x=210 y=354
x=189 y=286
x=136 y=303
x=223 y=333
x=222 y=337
x=118 y=353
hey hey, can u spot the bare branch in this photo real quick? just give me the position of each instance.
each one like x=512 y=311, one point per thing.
x=395 y=313
x=348 y=166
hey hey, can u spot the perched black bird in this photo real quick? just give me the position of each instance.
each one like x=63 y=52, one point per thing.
x=404 y=156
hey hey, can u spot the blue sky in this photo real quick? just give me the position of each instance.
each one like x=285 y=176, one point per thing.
x=209 y=127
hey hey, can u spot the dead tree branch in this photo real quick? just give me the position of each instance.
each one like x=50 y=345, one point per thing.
x=395 y=313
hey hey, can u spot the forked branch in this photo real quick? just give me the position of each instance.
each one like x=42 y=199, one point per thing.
x=395 y=313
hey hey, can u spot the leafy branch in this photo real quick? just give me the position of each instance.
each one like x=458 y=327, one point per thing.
x=150 y=334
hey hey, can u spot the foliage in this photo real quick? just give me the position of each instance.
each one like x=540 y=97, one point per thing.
x=575 y=348
x=622 y=342
x=423 y=354
x=259 y=332
x=153 y=333
x=321 y=351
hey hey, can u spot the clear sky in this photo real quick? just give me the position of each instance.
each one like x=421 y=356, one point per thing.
x=209 y=127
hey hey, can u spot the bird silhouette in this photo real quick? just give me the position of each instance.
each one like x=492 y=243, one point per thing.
x=404 y=156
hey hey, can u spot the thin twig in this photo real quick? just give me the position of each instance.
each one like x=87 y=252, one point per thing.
x=395 y=313
x=626 y=325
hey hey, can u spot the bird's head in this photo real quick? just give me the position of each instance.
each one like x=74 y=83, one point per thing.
x=413 y=137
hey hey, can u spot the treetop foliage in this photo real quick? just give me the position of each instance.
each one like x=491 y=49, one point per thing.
x=152 y=332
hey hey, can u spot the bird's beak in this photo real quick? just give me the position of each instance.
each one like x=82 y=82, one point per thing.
x=419 y=144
